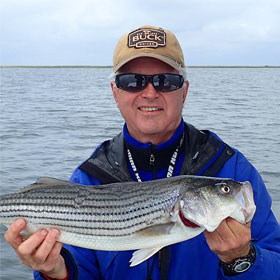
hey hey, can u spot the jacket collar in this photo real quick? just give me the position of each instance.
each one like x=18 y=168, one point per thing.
x=150 y=157
x=133 y=142
x=205 y=154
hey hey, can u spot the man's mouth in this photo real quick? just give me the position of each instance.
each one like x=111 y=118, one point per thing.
x=149 y=109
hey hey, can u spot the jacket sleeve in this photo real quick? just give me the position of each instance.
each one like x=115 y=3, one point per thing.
x=265 y=228
x=81 y=264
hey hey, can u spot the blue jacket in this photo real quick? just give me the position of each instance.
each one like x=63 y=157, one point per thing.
x=191 y=259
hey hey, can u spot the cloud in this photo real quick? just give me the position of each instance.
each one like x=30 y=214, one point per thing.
x=86 y=31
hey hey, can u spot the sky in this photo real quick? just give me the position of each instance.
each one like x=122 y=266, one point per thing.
x=85 y=32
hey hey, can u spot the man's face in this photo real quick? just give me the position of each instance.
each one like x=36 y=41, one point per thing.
x=151 y=116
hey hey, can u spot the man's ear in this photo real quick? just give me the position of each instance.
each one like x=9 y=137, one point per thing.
x=114 y=91
x=186 y=88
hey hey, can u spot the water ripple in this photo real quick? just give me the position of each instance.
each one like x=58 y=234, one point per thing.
x=52 y=119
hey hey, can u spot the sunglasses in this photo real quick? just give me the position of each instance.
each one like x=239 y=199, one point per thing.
x=161 y=82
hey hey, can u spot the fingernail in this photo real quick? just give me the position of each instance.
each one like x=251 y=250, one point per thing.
x=19 y=223
x=54 y=233
x=44 y=232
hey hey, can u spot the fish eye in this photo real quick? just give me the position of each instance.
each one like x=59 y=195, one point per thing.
x=225 y=188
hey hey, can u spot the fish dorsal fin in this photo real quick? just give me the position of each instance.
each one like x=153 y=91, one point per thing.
x=47 y=182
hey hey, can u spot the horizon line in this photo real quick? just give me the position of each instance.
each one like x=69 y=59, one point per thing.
x=107 y=66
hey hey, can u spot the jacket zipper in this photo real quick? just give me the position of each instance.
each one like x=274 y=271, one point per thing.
x=152 y=160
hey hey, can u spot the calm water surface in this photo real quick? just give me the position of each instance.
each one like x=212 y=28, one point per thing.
x=52 y=119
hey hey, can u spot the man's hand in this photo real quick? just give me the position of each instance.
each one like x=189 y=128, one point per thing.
x=40 y=251
x=231 y=240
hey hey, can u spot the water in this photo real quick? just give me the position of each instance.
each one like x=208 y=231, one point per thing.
x=51 y=120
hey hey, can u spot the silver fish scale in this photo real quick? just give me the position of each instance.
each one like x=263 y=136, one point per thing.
x=112 y=210
x=127 y=216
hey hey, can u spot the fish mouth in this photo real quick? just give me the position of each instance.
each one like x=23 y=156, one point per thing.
x=246 y=201
x=187 y=222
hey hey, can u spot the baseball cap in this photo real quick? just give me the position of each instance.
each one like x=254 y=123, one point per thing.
x=149 y=41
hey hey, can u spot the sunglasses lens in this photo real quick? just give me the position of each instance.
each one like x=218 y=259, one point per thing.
x=130 y=82
x=167 y=82
x=161 y=82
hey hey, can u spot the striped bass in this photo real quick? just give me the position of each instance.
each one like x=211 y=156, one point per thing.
x=129 y=216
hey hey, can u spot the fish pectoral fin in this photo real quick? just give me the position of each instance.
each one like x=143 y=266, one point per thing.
x=156 y=230
x=143 y=254
x=47 y=182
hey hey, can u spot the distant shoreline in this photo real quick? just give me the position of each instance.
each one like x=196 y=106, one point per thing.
x=88 y=66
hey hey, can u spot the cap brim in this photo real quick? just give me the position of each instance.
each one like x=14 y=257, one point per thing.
x=174 y=64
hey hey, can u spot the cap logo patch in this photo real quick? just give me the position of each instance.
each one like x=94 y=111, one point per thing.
x=146 y=38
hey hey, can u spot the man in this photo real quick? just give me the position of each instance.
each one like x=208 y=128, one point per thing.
x=149 y=86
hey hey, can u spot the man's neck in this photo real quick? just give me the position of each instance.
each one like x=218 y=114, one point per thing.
x=154 y=139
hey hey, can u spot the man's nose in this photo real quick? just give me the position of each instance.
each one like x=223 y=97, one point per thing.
x=149 y=91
